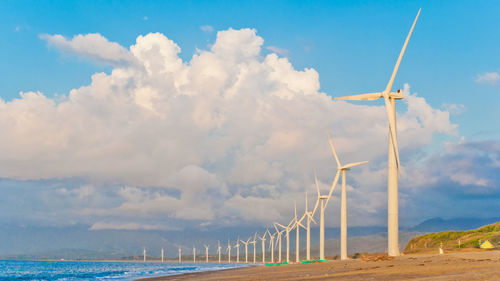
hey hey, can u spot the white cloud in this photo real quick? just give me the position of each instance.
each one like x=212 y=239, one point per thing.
x=236 y=132
x=491 y=78
x=124 y=226
x=92 y=46
x=207 y=28
x=279 y=51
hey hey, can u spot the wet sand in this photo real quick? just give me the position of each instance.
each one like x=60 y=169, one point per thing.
x=484 y=265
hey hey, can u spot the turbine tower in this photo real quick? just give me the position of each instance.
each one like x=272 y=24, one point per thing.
x=206 y=252
x=298 y=225
x=162 y=252
x=219 y=249
x=180 y=254
x=343 y=208
x=144 y=253
x=393 y=155
x=194 y=254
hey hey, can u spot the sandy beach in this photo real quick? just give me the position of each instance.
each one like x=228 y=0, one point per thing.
x=482 y=265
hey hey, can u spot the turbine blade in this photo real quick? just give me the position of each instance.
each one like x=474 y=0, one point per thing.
x=306 y=201
x=317 y=186
x=369 y=96
x=389 y=85
x=392 y=128
x=333 y=149
x=312 y=218
x=333 y=187
x=354 y=164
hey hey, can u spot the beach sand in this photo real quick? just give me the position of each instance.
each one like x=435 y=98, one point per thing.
x=483 y=265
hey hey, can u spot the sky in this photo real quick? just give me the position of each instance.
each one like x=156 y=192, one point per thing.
x=169 y=114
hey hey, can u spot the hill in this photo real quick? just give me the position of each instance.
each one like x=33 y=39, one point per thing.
x=455 y=239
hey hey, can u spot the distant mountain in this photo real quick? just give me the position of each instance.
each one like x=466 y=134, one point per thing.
x=439 y=224
x=455 y=239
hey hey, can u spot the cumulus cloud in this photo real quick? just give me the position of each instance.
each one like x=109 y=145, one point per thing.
x=491 y=78
x=92 y=46
x=232 y=135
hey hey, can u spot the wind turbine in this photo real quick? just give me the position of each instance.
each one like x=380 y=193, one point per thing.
x=237 y=246
x=228 y=250
x=279 y=241
x=206 y=251
x=194 y=254
x=246 y=248
x=254 y=242
x=298 y=225
x=219 y=249
x=393 y=155
x=287 y=229
x=263 y=239
x=180 y=254
x=162 y=251
x=309 y=216
x=343 y=208
x=144 y=253
x=271 y=244
x=322 y=203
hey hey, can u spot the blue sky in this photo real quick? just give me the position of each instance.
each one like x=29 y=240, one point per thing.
x=352 y=45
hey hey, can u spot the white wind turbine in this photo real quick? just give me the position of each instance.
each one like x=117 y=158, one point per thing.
x=309 y=216
x=180 y=254
x=322 y=203
x=194 y=254
x=271 y=244
x=287 y=229
x=162 y=252
x=279 y=241
x=393 y=155
x=206 y=252
x=343 y=208
x=298 y=225
x=246 y=248
x=144 y=253
x=219 y=249
x=237 y=246
x=254 y=242
x=263 y=239
x=228 y=250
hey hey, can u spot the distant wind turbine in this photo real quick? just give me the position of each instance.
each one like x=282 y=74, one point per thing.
x=343 y=208
x=278 y=232
x=228 y=250
x=237 y=246
x=206 y=252
x=393 y=155
x=194 y=254
x=298 y=225
x=309 y=216
x=263 y=239
x=271 y=244
x=144 y=253
x=162 y=251
x=219 y=249
x=254 y=242
x=246 y=248
x=180 y=254
x=287 y=229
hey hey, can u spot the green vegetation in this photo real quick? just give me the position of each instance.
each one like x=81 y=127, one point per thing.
x=455 y=239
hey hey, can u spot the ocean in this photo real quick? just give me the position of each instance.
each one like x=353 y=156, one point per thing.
x=90 y=270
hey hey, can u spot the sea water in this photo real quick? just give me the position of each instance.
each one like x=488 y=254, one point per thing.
x=87 y=270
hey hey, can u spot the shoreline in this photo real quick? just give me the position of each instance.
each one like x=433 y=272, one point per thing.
x=481 y=265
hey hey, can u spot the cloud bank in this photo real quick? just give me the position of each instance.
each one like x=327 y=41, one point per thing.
x=231 y=135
